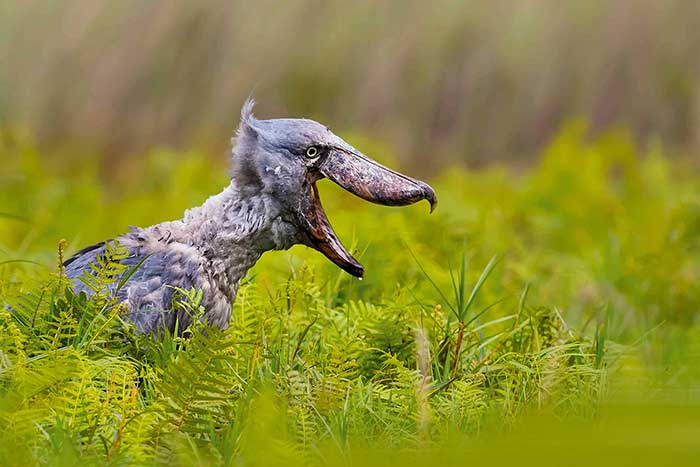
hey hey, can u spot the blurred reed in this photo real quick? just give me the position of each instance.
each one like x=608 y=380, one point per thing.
x=457 y=81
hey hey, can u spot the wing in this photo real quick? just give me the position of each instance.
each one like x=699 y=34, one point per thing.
x=148 y=291
x=87 y=253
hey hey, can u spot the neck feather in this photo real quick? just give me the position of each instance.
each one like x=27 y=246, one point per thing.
x=233 y=230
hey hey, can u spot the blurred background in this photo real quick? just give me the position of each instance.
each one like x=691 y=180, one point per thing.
x=461 y=82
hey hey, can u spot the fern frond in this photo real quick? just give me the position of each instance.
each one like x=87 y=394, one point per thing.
x=197 y=385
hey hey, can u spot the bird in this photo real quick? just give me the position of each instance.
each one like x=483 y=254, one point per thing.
x=271 y=203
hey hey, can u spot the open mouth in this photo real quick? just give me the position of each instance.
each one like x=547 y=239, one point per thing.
x=366 y=179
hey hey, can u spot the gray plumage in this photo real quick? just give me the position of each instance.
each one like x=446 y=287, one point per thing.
x=270 y=204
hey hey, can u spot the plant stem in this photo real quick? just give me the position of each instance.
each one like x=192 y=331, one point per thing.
x=458 y=347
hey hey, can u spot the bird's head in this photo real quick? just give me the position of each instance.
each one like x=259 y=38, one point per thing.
x=284 y=158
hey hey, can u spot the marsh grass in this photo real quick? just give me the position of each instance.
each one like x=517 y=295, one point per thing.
x=460 y=81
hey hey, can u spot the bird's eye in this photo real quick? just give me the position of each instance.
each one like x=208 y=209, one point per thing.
x=311 y=152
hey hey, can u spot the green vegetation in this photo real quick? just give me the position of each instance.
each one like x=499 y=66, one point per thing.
x=546 y=317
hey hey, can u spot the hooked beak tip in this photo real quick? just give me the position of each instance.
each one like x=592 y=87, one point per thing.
x=429 y=195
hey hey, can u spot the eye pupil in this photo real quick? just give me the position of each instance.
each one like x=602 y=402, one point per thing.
x=312 y=151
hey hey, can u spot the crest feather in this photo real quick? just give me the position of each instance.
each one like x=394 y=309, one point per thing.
x=247 y=110
x=244 y=144
x=246 y=127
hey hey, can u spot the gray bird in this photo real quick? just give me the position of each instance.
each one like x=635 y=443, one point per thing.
x=271 y=204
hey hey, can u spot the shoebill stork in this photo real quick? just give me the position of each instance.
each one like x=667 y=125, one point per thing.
x=271 y=204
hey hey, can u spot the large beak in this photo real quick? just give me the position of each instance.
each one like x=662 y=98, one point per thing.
x=364 y=178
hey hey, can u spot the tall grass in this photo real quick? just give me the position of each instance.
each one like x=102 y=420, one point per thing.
x=458 y=81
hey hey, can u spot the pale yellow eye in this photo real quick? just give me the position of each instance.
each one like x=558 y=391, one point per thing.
x=311 y=152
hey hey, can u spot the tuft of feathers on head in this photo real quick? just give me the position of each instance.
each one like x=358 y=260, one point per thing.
x=247 y=110
x=246 y=126
x=244 y=142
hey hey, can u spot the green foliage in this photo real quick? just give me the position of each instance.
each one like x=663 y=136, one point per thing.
x=557 y=293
